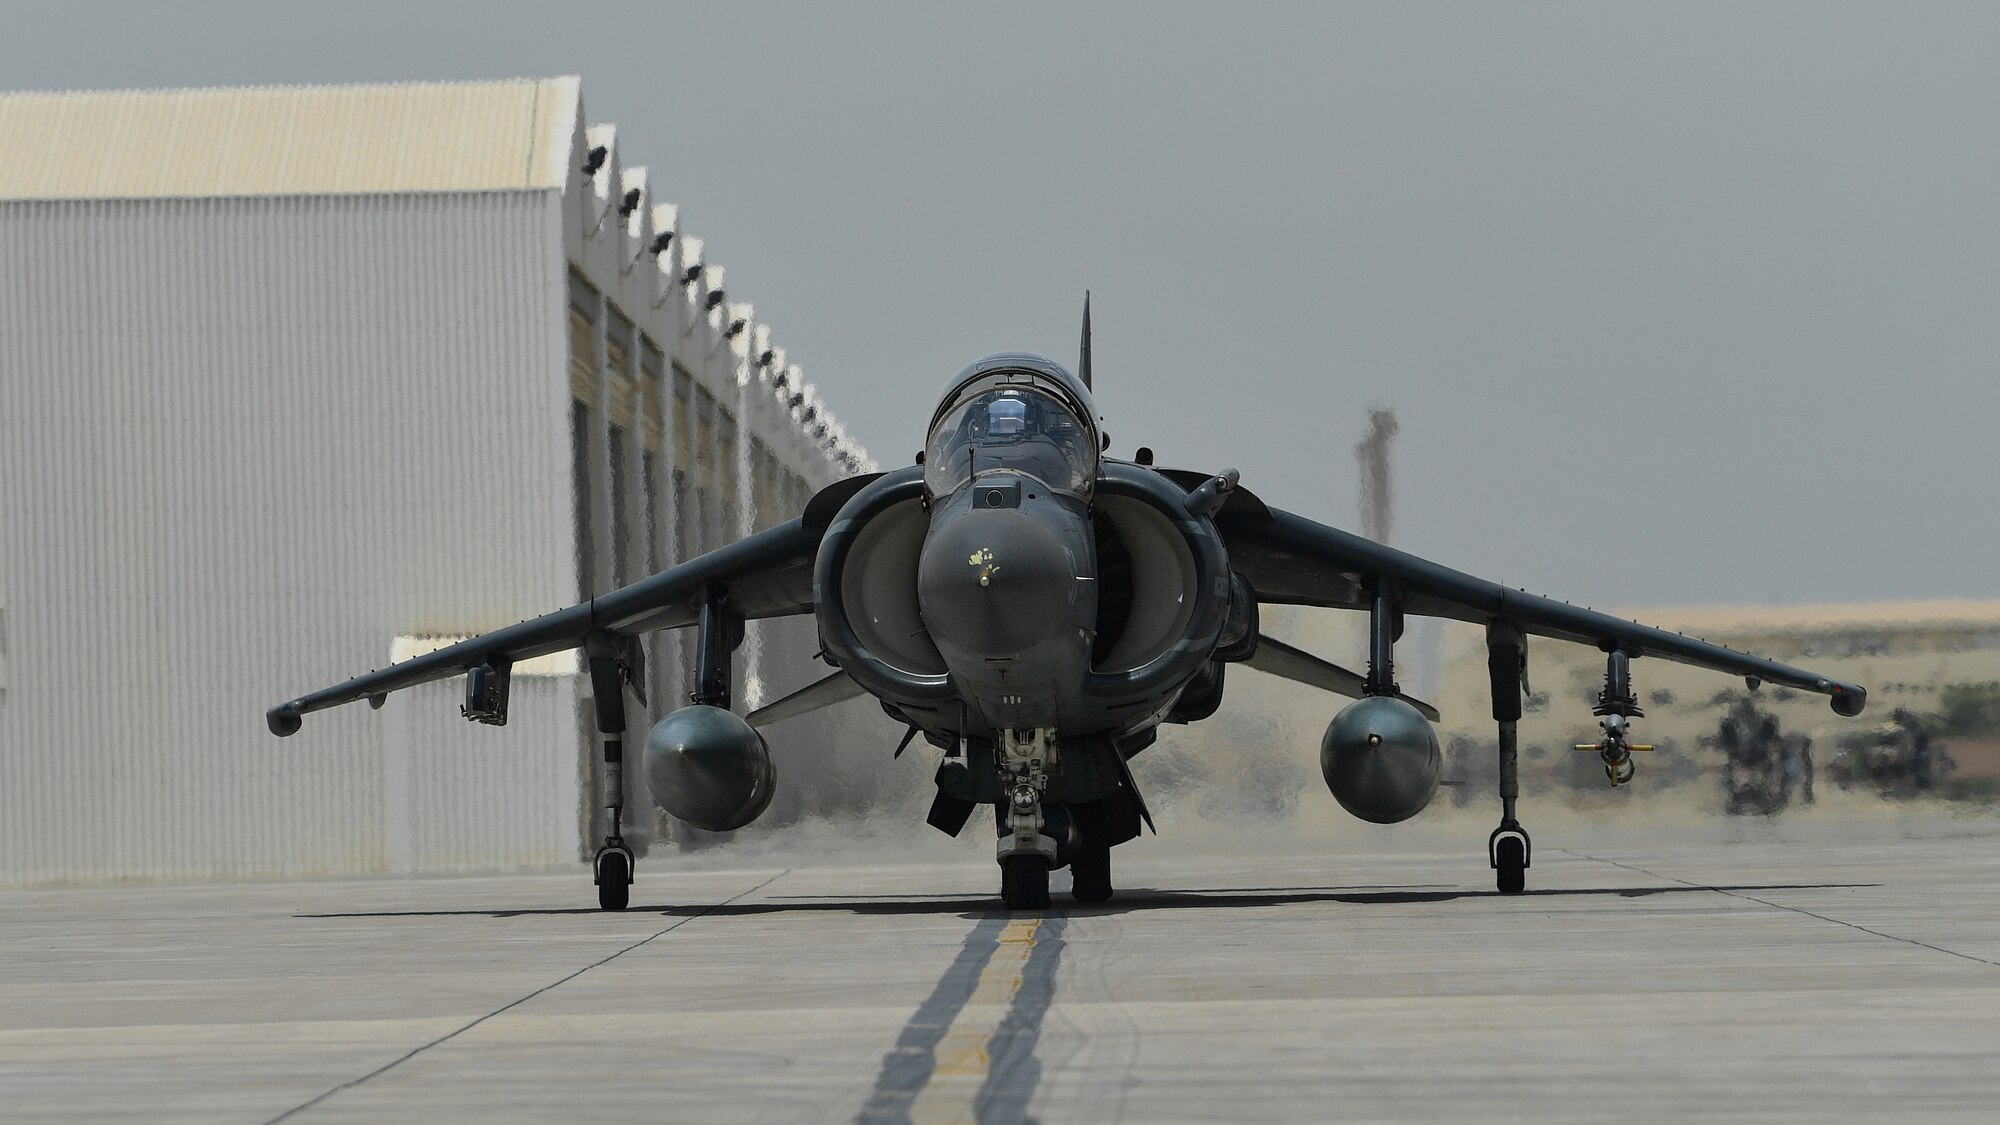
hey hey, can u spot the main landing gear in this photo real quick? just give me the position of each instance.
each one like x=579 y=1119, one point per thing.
x=1090 y=867
x=1082 y=839
x=1037 y=836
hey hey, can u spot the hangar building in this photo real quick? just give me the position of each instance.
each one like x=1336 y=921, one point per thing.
x=296 y=381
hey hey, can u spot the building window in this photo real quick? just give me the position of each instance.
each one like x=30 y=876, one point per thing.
x=653 y=433
x=728 y=484
x=618 y=365
x=763 y=486
x=707 y=474
x=759 y=492
x=579 y=484
x=616 y=359
x=583 y=305
x=582 y=357
x=621 y=537
x=649 y=480
x=683 y=459
x=679 y=497
x=795 y=487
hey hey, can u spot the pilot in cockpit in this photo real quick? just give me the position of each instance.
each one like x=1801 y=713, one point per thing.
x=1007 y=417
x=1011 y=428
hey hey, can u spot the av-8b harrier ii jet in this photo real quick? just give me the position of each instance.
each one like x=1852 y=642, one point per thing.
x=1037 y=609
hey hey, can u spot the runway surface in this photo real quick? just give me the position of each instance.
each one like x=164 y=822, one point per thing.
x=1783 y=982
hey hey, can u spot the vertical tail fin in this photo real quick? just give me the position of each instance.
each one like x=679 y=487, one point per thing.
x=1083 y=360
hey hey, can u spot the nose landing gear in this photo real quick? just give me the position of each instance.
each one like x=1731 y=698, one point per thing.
x=1024 y=882
x=1025 y=851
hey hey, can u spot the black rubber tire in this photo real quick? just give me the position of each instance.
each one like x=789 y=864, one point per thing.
x=1024 y=882
x=1090 y=866
x=614 y=882
x=1090 y=873
x=1511 y=872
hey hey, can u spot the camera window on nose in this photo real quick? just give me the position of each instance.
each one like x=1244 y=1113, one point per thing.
x=1006 y=494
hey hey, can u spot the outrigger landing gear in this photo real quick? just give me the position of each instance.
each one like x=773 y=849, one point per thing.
x=612 y=866
x=1508 y=849
x=1026 y=853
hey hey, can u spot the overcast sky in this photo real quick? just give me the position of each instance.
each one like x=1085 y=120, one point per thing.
x=1678 y=303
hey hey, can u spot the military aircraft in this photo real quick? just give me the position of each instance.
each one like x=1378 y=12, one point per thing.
x=1036 y=609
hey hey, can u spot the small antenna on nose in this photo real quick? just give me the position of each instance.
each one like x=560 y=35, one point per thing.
x=1083 y=360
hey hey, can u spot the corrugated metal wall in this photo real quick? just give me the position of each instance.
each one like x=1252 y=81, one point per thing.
x=245 y=443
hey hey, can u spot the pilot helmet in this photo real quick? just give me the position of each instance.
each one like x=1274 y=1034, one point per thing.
x=1007 y=416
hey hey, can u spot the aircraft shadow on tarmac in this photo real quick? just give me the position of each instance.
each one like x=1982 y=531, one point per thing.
x=1143 y=898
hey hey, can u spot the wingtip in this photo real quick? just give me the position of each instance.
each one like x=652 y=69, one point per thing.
x=284 y=720
x=1847 y=700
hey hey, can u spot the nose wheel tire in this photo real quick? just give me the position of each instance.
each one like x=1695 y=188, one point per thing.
x=614 y=881
x=1024 y=882
x=1510 y=865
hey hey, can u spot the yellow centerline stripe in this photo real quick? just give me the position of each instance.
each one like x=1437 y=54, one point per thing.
x=961 y=1055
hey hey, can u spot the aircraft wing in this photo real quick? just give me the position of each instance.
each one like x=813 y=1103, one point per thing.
x=1292 y=560
x=768 y=574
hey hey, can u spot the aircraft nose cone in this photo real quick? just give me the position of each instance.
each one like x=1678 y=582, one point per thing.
x=994 y=583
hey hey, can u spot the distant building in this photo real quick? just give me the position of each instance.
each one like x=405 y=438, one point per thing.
x=294 y=382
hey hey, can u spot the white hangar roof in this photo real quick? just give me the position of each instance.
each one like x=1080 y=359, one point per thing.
x=292 y=140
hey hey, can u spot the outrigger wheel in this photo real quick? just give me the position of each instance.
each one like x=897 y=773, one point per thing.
x=614 y=878
x=1510 y=861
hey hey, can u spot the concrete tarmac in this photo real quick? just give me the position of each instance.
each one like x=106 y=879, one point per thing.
x=1780 y=981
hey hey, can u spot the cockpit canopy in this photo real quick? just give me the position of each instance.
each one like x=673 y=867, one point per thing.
x=1013 y=420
